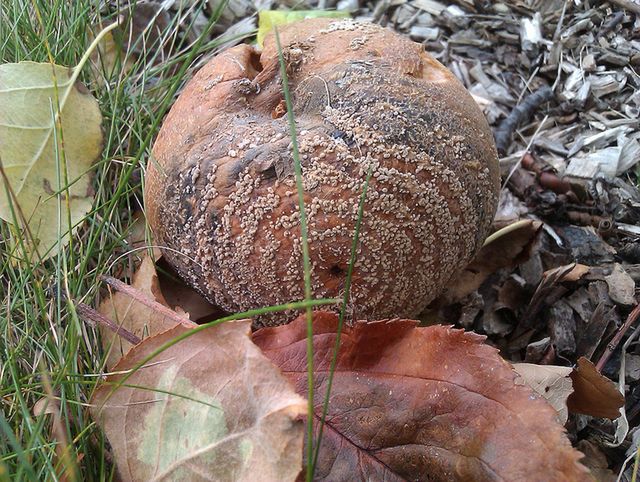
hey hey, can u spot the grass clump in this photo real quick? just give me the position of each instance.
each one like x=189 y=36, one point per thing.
x=49 y=358
x=47 y=353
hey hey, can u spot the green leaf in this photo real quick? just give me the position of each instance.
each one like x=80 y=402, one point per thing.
x=267 y=19
x=50 y=134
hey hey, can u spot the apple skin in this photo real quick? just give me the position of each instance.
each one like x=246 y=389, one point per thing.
x=221 y=193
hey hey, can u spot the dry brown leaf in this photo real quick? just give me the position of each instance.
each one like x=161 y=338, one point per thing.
x=594 y=394
x=507 y=250
x=132 y=315
x=622 y=288
x=577 y=272
x=210 y=407
x=179 y=296
x=549 y=381
x=45 y=406
x=428 y=403
x=136 y=235
x=596 y=460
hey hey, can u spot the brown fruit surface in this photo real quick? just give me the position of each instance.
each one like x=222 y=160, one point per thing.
x=220 y=188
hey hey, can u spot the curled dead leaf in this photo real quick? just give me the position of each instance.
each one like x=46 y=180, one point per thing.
x=133 y=316
x=428 y=403
x=507 y=250
x=594 y=394
x=575 y=273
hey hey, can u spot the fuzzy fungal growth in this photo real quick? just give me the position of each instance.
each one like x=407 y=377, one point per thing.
x=220 y=187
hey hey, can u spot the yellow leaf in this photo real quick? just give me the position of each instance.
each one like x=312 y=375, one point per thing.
x=267 y=19
x=46 y=153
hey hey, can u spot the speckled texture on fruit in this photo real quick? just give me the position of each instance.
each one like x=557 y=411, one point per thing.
x=220 y=187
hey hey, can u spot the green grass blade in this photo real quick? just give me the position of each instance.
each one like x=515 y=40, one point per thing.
x=8 y=434
x=237 y=316
x=305 y=253
x=343 y=311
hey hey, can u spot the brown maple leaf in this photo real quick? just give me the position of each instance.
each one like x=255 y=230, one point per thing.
x=413 y=403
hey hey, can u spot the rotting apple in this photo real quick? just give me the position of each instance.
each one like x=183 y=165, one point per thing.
x=221 y=193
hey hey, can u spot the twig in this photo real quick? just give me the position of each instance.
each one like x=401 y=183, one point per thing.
x=68 y=472
x=526 y=151
x=550 y=180
x=613 y=344
x=94 y=318
x=518 y=115
x=586 y=219
x=627 y=5
x=506 y=230
x=547 y=176
x=611 y=23
x=142 y=298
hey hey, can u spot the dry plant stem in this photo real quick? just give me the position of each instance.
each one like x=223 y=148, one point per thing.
x=634 y=475
x=305 y=255
x=613 y=344
x=622 y=422
x=93 y=317
x=58 y=134
x=518 y=115
x=527 y=150
x=59 y=102
x=627 y=5
x=506 y=230
x=141 y=298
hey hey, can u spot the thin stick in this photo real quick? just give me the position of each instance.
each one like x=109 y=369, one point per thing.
x=507 y=229
x=627 y=5
x=613 y=344
x=142 y=298
x=527 y=150
x=64 y=450
x=87 y=54
x=93 y=317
